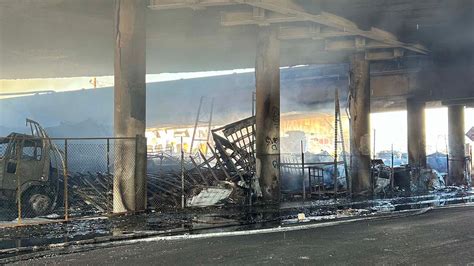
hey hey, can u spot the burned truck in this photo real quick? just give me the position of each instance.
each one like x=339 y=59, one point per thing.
x=29 y=176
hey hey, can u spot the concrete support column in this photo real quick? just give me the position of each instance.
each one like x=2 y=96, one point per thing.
x=456 y=144
x=267 y=78
x=416 y=133
x=359 y=109
x=129 y=106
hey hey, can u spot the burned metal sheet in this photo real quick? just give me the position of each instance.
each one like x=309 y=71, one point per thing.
x=209 y=196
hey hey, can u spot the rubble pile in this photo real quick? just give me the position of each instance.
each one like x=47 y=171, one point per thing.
x=427 y=180
x=224 y=173
x=89 y=192
x=221 y=175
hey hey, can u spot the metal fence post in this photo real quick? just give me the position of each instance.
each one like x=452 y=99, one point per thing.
x=136 y=158
x=302 y=169
x=182 y=175
x=392 y=173
x=140 y=182
x=66 y=187
x=18 y=199
x=108 y=156
x=18 y=181
x=446 y=181
x=108 y=175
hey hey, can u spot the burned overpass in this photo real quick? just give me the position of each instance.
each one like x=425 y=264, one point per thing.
x=431 y=36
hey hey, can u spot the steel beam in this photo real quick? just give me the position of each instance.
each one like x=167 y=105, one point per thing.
x=416 y=133
x=129 y=106
x=359 y=109
x=267 y=77
x=456 y=144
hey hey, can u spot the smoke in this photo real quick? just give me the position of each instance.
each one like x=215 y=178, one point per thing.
x=197 y=41
x=174 y=103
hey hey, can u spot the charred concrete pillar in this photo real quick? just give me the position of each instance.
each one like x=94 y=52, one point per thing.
x=267 y=78
x=456 y=144
x=129 y=106
x=359 y=109
x=416 y=133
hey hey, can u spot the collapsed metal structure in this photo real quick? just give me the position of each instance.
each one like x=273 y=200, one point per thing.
x=226 y=170
x=225 y=173
x=230 y=163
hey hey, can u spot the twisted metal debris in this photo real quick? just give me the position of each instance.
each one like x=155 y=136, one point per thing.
x=226 y=166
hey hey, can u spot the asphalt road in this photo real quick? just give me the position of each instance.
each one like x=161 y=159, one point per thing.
x=442 y=236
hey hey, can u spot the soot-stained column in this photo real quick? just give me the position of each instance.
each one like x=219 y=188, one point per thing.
x=416 y=133
x=456 y=144
x=267 y=77
x=129 y=192
x=360 y=125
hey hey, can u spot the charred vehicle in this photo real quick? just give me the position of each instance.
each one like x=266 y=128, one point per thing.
x=29 y=171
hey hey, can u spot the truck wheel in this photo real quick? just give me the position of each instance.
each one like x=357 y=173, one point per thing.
x=36 y=202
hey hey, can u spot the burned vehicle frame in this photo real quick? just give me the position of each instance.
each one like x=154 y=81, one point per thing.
x=29 y=176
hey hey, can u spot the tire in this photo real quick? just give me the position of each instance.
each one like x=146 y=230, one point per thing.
x=36 y=202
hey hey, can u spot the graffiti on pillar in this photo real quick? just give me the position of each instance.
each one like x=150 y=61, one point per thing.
x=276 y=117
x=275 y=163
x=273 y=142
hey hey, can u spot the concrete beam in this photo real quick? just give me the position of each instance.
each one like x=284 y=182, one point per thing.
x=291 y=8
x=129 y=192
x=267 y=78
x=416 y=133
x=257 y=16
x=374 y=50
x=193 y=4
x=313 y=31
x=359 y=108
x=384 y=54
x=456 y=145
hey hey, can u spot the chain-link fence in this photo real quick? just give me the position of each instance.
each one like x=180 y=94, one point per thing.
x=295 y=172
x=57 y=179
x=168 y=176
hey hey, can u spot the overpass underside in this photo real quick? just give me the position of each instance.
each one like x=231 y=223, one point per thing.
x=284 y=33
x=276 y=22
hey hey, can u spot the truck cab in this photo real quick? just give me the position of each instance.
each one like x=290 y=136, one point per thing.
x=27 y=175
